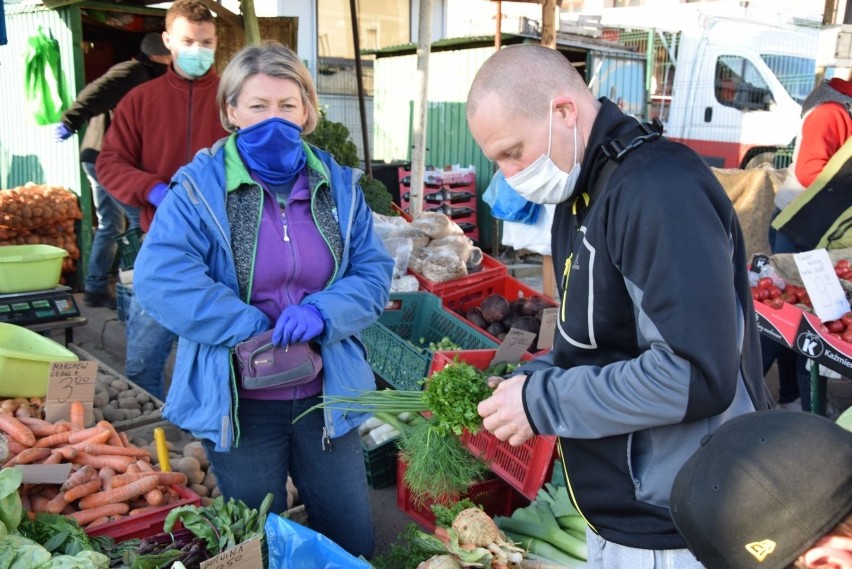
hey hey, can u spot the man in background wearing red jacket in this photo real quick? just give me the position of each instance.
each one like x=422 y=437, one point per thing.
x=157 y=128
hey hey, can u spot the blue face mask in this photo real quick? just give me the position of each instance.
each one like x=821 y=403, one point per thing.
x=195 y=60
x=273 y=150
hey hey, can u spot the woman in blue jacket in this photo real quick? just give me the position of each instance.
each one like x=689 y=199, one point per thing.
x=260 y=232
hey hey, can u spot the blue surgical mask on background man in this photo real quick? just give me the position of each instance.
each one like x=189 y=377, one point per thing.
x=195 y=60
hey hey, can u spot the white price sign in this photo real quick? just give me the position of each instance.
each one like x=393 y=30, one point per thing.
x=823 y=286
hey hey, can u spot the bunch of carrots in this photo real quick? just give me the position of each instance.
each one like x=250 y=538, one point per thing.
x=110 y=478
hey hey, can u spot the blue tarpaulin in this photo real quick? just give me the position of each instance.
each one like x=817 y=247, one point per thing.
x=3 y=39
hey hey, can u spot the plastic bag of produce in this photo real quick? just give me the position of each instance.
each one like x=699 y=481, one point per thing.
x=292 y=545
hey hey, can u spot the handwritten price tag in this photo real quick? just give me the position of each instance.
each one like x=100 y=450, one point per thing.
x=822 y=284
x=548 y=328
x=70 y=381
x=514 y=346
x=245 y=555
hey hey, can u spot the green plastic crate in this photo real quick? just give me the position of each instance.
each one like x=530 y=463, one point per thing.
x=392 y=341
x=380 y=462
x=129 y=244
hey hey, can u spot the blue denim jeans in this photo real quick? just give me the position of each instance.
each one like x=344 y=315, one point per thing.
x=605 y=554
x=332 y=485
x=793 y=378
x=148 y=348
x=110 y=214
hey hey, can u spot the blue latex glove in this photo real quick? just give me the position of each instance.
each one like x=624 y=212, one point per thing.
x=62 y=132
x=157 y=193
x=298 y=323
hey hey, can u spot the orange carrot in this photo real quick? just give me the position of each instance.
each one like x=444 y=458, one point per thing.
x=25 y=501
x=67 y=453
x=155 y=497
x=98 y=439
x=95 y=448
x=84 y=489
x=99 y=522
x=142 y=510
x=80 y=476
x=42 y=428
x=117 y=463
x=54 y=458
x=113 y=439
x=77 y=415
x=122 y=494
x=106 y=474
x=17 y=430
x=54 y=440
x=56 y=504
x=167 y=478
x=28 y=456
x=123 y=436
x=39 y=503
x=89 y=515
x=14 y=446
x=144 y=465
x=83 y=434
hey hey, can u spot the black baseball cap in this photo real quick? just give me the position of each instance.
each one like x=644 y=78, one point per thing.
x=763 y=489
x=152 y=44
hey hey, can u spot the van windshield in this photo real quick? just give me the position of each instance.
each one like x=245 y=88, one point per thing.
x=796 y=74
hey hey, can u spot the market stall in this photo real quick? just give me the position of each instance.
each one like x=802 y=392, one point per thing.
x=784 y=301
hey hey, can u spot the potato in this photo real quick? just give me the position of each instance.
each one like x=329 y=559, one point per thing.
x=191 y=467
x=200 y=489
x=196 y=451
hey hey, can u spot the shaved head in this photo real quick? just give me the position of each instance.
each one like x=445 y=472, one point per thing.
x=525 y=78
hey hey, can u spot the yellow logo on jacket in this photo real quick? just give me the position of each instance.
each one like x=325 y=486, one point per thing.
x=761 y=549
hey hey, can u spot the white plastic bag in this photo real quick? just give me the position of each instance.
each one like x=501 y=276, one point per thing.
x=535 y=237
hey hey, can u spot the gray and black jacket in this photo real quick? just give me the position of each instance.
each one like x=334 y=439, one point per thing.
x=656 y=342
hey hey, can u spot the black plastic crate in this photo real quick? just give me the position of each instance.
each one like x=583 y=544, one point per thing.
x=381 y=464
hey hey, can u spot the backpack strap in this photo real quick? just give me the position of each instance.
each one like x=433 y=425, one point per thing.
x=616 y=149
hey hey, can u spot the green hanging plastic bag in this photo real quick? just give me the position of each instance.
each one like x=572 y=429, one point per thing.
x=44 y=86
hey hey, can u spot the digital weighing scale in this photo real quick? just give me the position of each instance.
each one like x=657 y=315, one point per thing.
x=37 y=306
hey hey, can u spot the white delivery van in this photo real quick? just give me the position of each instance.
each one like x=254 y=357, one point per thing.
x=729 y=88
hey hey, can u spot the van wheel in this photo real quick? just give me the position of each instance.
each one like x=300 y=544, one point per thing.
x=761 y=160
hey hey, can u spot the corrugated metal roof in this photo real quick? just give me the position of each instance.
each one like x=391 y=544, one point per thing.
x=563 y=41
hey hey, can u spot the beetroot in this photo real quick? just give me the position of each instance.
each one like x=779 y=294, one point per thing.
x=533 y=305
x=495 y=308
x=475 y=316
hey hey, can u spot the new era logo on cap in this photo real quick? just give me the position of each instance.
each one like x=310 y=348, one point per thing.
x=761 y=549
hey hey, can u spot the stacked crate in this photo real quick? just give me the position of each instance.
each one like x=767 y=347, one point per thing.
x=451 y=192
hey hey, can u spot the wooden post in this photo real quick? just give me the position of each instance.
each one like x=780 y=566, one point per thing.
x=548 y=39
x=548 y=23
x=418 y=151
x=250 y=25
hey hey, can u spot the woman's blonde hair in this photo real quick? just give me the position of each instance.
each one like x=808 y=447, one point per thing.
x=273 y=59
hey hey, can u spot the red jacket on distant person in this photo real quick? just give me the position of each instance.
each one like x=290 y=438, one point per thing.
x=825 y=128
x=157 y=128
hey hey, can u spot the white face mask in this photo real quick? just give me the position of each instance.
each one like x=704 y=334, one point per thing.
x=542 y=181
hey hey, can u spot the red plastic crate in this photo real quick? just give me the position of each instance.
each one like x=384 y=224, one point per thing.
x=490 y=269
x=526 y=467
x=495 y=496
x=147 y=524
x=460 y=301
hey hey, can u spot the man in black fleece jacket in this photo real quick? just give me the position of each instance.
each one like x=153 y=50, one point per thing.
x=656 y=343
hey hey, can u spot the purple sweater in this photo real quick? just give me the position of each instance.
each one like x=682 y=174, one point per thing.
x=292 y=261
